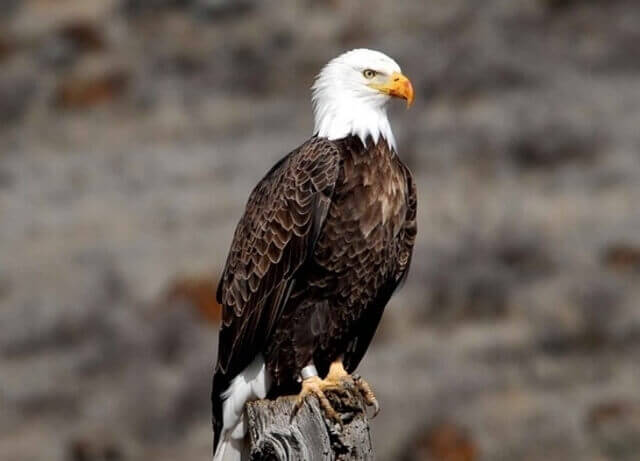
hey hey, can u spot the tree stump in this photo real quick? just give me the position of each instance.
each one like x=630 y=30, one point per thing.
x=309 y=436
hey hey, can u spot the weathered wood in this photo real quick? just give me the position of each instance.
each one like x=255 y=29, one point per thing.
x=309 y=436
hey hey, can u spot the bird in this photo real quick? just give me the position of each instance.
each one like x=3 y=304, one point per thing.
x=326 y=238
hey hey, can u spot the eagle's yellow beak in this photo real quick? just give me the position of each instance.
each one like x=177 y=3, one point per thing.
x=398 y=86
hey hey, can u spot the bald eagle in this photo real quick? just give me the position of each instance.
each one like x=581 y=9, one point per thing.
x=325 y=239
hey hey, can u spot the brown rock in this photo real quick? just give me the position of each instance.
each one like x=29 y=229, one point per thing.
x=622 y=257
x=85 y=92
x=85 y=36
x=7 y=48
x=199 y=291
x=442 y=442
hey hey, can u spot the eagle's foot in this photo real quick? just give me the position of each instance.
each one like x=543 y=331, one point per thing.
x=343 y=382
x=317 y=387
x=339 y=382
x=369 y=397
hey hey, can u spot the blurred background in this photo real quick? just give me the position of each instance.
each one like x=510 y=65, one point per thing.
x=131 y=132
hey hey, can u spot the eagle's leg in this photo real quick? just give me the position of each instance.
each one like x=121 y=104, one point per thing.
x=337 y=373
x=313 y=385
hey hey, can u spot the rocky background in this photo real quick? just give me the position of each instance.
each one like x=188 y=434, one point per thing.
x=131 y=132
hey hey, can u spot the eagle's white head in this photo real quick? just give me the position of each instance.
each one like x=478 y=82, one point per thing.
x=351 y=92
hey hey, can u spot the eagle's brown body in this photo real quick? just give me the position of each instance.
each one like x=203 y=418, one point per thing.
x=326 y=238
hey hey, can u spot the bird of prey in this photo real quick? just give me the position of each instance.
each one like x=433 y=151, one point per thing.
x=325 y=239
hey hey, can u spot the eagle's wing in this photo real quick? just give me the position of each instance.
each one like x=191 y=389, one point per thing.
x=276 y=234
x=405 y=241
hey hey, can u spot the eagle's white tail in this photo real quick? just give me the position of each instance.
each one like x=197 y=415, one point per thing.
x=251 y=384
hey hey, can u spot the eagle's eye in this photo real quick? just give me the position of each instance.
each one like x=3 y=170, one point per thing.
x=369 y=73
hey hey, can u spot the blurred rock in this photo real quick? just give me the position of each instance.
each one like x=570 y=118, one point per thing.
x=84 y=36
x=191 y=404
x=142 y=6
x=57 y=53
x=70 y=41
x=469 y=295
x=9 y=7
x=214 y=10
x=6 y=179
x=622 y=257
x=221 y=10
x=7 y=48
x=475 y=282
x=598 y=308
x=94 y=449
x=469 y=72
x=5 y=286
x=16 y=93
x=199 y=292
x=523 y=254
x=34 y=20
x=184 y=64
x=441 y=442
x=169 y=339
x=615 y=428
x=86 y=92
x=562 y=4
x=553 y=145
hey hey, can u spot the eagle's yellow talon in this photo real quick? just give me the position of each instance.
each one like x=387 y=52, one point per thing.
x=369 y=397
x=337 y=380
x=316 y=387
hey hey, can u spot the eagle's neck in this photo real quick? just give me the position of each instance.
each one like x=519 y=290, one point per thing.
x=337 y=119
